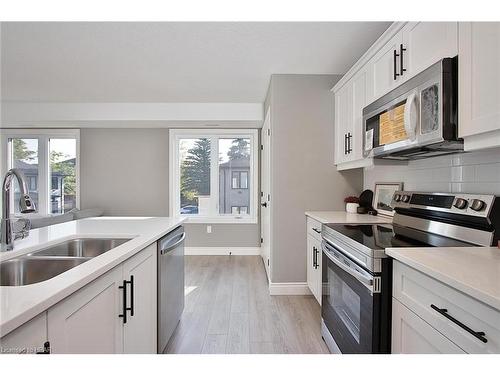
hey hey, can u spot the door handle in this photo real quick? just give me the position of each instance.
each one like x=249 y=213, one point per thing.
x=131 y=308
x=395 y=68
x=444 y=312
x=264 y=204
x=123 y=287
x=314 y=256
x=316 y=253
x=401 y=50
x=173 y=246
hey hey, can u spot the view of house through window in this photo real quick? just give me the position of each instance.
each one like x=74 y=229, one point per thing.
x=214 y=176
x=62 y=153
x=25 y=157
x=234 y=168
x=48 y=160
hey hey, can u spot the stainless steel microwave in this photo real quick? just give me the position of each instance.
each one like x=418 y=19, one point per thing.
x=418 y=119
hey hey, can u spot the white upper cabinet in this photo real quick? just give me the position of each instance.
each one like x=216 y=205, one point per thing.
x=384 y=67
x=349 y=103
x=343 y=123
x=403 y=51
x=425 y=43
x=479 y=90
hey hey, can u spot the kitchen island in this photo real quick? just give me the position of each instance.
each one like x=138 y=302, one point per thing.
x=20 y=304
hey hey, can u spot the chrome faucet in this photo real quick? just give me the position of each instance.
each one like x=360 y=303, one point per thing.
x=26 y=205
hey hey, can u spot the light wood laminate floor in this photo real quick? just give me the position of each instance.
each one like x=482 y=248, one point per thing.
x=229 y=310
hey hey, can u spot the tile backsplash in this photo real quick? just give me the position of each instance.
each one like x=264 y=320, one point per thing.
x=472 y=172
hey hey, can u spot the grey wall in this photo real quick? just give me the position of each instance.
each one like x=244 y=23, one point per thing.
x=125 y=171
x=303 y=174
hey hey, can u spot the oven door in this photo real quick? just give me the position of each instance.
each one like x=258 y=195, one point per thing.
x=350 y=307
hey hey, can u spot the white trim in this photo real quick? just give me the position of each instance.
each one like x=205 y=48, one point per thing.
x=51 y=114
x=43 y=136
x=289 y=289
x=222 y=250
x=174 y=174
x=367 y=162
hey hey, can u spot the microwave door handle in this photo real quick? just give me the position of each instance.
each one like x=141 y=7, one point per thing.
x=410 y=116
x=365 y=280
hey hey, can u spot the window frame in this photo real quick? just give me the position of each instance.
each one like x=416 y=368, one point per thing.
x=175 y=135
x=44 y=176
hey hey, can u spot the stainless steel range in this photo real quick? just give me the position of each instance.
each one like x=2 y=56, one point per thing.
x=357 y=274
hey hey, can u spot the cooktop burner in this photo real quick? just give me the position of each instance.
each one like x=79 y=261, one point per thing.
x=382 y=236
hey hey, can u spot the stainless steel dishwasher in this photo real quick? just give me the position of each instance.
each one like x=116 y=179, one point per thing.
x=170 y=284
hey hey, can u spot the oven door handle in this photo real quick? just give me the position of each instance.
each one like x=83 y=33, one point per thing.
x=364 y=279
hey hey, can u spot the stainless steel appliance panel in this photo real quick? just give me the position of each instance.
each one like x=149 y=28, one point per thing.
x=170 y=284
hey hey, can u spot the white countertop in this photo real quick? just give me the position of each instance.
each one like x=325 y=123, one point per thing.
x=472 y=270
x=342 y=217
x=18 y=304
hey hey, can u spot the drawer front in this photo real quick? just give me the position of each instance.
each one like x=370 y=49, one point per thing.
x=412 y=335
x=314 y=228
x=424 y=295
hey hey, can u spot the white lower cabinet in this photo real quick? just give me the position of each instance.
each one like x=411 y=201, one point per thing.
x=412 y=335
x=139 y=333
x=87 y=321
x=467 y=323
x=314 y=256
x=92 y=319
x=27 y=339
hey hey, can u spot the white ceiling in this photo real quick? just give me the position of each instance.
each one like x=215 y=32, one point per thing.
x=171 y=62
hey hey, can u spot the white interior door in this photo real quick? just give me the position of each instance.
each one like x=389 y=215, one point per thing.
x=265 y=195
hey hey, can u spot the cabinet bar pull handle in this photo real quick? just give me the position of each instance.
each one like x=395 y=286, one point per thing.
x=316 y=253
x=317 y=230
x=444 y=312
x=123 y=287
x=345 y=144
x=314 y=256
x=131 y=295
x=395 y=68
x=401 y=50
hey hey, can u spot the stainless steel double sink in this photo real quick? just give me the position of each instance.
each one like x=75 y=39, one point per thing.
x=47 y=263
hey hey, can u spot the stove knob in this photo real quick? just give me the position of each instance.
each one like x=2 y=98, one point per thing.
x=460 y=203
x=477 y=204
x=397 y=197
x=406 y=198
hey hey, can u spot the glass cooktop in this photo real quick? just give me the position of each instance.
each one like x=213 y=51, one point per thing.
x=382 y=236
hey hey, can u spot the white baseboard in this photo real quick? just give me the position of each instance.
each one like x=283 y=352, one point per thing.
x=289 y=289
x=222 y=250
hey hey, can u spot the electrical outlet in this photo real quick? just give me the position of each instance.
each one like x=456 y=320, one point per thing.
x=209 y=229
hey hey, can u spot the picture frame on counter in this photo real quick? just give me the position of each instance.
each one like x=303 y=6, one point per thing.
x=382 y=197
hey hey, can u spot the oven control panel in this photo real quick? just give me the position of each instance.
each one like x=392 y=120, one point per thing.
x=465 y=204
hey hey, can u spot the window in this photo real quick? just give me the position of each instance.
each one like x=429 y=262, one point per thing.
x=49 y=161
x=240 y=180
x=211 y=175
